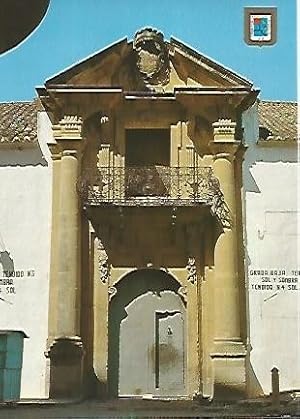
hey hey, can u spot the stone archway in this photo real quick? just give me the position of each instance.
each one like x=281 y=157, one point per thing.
x=146 y=338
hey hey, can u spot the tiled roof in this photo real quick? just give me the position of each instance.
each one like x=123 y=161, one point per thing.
x=277 y=120
x=18 y=123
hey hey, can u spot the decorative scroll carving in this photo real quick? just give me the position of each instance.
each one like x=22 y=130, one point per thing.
x=155 y=186
x=112 y=291
x=104 y=119
x=103 y=264
x=182 y=291
x=219 y=207
x=192 y=270
x=152 y=58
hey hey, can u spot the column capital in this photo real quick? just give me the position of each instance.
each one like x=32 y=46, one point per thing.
x=65 y=347
x=224 y=130
x=55 y=151
x=72 y=153
x=68 y=128
x=224 y=143
x=227 y=153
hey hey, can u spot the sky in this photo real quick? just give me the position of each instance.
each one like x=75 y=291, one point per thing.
x=75 y=29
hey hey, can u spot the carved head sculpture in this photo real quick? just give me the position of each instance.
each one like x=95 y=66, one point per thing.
x=152 y=58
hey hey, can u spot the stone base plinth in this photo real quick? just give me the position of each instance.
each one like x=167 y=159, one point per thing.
x=229 y=363
x=66 y=368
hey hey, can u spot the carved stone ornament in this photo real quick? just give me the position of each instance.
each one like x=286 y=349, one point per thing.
x=192 y=270
x=103 y=264
x=224 y=127
x=152 y=58
x=182 y=291
x=112 y=291
x=218 y=206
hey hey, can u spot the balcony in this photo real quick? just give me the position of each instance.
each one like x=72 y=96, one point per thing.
x=153 y=186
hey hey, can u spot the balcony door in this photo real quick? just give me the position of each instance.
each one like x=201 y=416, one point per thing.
x=147 y=162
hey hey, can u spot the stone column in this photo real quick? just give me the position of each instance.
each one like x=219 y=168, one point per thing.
x=229 y=350
x=65 y=349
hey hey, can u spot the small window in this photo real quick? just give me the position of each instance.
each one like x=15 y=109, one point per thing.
x=264 y=133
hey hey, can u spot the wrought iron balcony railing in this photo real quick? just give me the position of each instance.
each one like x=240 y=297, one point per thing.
x=153 y=186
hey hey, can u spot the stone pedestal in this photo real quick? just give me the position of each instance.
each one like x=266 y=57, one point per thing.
x=229 y=352
x=66 y=360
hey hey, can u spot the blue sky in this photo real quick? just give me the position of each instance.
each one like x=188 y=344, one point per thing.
x=74 y=29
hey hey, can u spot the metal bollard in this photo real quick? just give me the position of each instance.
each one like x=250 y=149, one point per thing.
x=275 y=388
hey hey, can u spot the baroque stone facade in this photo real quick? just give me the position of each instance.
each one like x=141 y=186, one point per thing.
x=147 y=264
x=159 y=191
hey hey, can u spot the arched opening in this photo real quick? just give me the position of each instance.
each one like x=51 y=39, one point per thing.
x=146 y=338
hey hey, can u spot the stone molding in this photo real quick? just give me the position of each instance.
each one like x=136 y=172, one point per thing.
x=224 y=348
x=224 y=130
x=68 y=128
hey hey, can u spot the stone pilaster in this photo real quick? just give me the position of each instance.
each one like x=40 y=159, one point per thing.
x=229 y=350
x=64 y=306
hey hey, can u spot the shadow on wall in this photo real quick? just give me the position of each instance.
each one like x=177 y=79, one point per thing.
x=22 y=157
x=6 y=261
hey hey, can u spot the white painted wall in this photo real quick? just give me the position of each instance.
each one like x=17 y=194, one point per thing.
x=271 y=214
x=25 y=197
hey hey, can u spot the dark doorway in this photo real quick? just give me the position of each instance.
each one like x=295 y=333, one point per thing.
x=147 y=147
x=147 y=160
